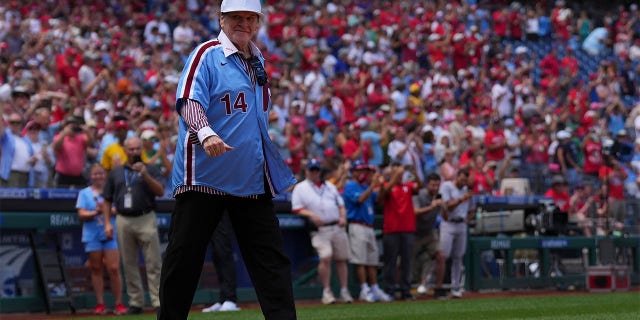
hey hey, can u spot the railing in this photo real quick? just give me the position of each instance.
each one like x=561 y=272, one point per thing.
x=539 y=261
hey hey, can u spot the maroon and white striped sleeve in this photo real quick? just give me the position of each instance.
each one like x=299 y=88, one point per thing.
x=194 y=116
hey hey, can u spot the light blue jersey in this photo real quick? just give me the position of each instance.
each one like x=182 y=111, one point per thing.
x=237 y=111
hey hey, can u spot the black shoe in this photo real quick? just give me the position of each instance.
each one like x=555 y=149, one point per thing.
x=440 y=294
x=407 y=296
x=135 y=310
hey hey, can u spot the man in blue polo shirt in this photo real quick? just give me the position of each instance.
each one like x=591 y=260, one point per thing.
x=360 y=196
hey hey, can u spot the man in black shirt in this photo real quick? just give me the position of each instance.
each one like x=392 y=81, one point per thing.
x=130 y=191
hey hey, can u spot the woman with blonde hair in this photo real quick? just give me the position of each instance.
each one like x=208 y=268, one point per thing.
x=102 y=251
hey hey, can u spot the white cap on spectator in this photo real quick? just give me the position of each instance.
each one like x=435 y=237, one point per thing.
x=427 y=128
x=101 y=105
x=147 y=134
x=563 y=134
x=432 y=116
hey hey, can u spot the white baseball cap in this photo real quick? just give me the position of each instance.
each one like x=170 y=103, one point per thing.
x=241 y=5
x=148 y=135
x=101 y=105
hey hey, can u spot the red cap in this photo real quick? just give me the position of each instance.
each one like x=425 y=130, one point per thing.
x=321 y=123
x=329 y=152
x=121 y=124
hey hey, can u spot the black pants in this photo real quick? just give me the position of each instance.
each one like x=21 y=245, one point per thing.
x=397 y=245
x=194 y=218
x=222 y=255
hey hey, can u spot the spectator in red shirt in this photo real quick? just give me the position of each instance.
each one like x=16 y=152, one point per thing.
x=495 y=142
x=483 y=174
x=501 y=22
x=559 y=192
x=355 y=148
x=592 y=149
x=613 y=174
x=570 y=62
x=399 y=226
x=550 y=64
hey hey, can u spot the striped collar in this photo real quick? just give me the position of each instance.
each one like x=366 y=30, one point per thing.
x=229 y=48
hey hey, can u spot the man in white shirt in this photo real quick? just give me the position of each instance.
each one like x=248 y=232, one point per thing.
x=321 y=203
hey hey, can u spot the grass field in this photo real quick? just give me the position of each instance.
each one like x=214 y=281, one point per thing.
x=614 y=306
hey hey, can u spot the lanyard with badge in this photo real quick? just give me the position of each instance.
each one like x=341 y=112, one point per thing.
x=129 y=177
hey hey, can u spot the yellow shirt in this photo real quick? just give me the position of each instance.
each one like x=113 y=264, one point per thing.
x=113 y=156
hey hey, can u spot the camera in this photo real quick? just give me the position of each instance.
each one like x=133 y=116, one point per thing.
x=438 y=196
x=137 y=159
x=76 y=128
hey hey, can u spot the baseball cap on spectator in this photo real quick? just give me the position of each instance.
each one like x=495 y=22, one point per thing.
x=558 y=179
x=622 y=133
x=432 y=116
x=101 y=105
x=148 y=135
x=329 y=152
x=360 y=165
x=385 y=108
x=321 y=123
x=72 y=119
x=313 y=164
x=20 y=90
x=120 y=124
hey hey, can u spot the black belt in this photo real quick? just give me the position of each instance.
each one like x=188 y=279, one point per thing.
x=370 y=225
x=332 y=223
x=456 y=220
x=134 y=213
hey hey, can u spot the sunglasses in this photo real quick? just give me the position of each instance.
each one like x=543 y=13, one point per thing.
x=261 y=75
x=15 y=122
x=314 y=169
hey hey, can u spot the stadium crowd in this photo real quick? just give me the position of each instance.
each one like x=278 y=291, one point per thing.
x=500 y=88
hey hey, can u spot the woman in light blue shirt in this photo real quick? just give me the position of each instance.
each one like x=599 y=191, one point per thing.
x=102 y=251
